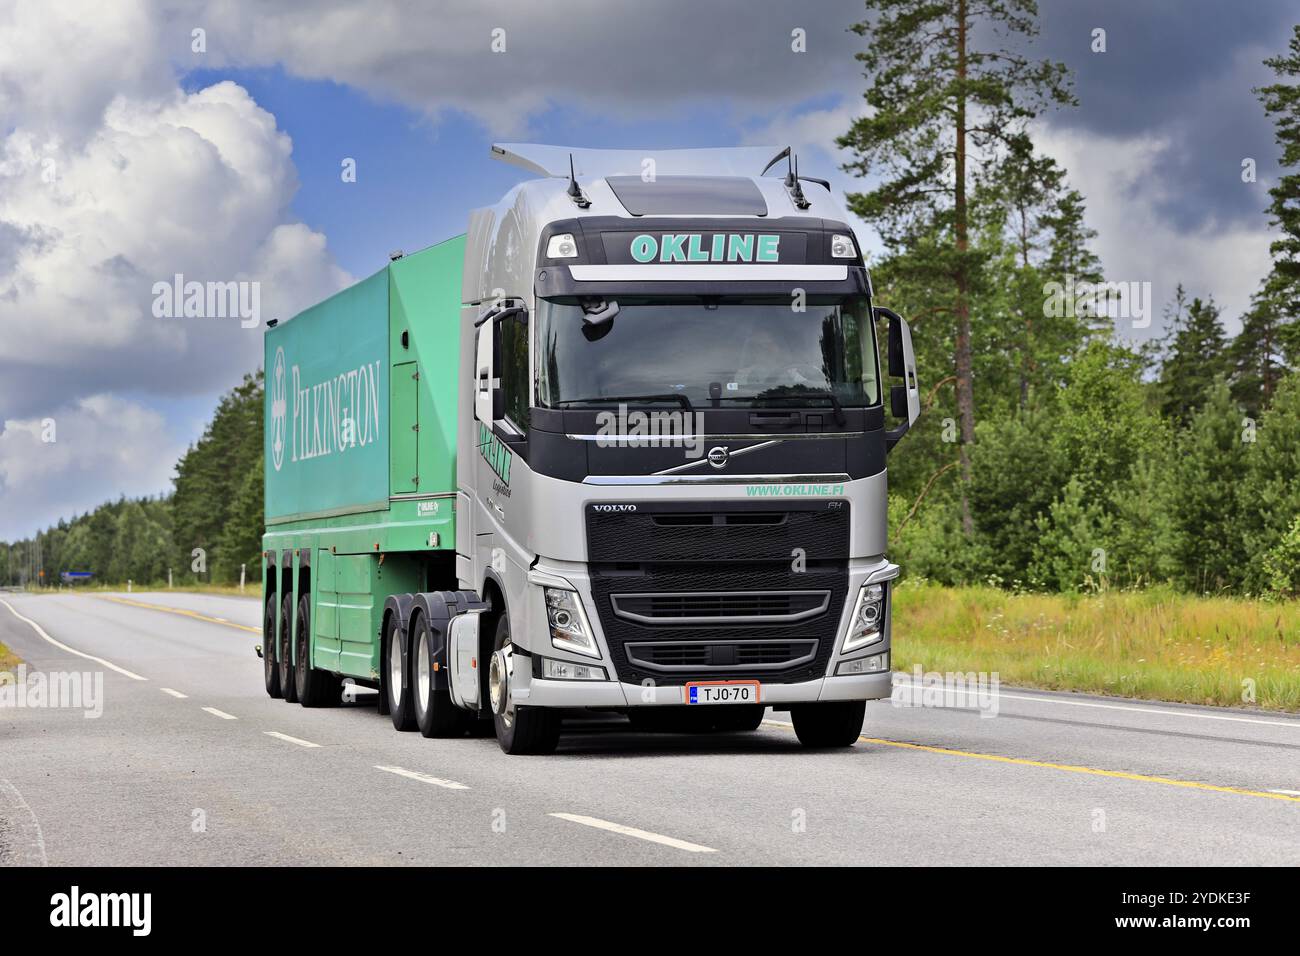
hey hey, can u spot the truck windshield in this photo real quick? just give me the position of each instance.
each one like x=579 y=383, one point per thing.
x=750 y=352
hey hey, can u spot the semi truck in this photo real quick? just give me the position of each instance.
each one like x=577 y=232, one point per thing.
x=618 y=448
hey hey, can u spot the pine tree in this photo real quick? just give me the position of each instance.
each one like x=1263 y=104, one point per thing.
x=1282 y=102
x=1255 y=355
x=944 y=108
x=1195 y=356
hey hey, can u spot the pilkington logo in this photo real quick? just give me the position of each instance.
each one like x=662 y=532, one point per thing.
x=692 y=247
x=328 y=417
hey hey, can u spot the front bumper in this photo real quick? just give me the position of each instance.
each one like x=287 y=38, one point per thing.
x=612 y=694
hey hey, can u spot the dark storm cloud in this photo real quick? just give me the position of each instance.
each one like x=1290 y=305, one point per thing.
x=1182 y=72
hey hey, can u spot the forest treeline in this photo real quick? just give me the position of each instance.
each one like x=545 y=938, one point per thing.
x=1053 y=453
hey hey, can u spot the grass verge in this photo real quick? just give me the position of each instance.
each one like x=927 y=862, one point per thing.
x=8 y=659
x=1154 y=644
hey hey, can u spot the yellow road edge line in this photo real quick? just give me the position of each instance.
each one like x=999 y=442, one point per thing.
x=178 y=610
x=1068 y=768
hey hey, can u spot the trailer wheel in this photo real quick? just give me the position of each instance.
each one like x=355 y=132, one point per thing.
x=435 y=714
x=396 y=674
x=520 y=730
x=834 y=724
x=284 y=655
x=316 y=688
x=270 y=671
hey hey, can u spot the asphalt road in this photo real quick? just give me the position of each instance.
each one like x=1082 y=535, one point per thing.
x=191 y=763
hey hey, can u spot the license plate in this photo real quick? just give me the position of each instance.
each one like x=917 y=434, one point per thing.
x=723 y=692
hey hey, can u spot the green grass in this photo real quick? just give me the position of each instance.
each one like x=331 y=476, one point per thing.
x=251 y=589
x=8 y=659
x=1154 y=644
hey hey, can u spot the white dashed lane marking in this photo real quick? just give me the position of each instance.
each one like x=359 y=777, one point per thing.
x=634 y=832
x=423 y=777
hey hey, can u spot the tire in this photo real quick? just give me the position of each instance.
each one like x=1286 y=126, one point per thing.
x=315 y=688
x=284 y=655
x=435 y=714
x=520 y=730
x=396 y=678
x=835 y=724
x=270 y=670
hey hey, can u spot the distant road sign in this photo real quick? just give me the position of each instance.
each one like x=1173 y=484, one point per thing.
x=72 y=577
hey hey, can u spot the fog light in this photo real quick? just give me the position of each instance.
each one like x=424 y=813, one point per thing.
x=875 y=664
x=567 y=670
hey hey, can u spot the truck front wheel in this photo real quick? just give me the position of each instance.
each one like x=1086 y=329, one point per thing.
x=834 y=724
x=520 y=730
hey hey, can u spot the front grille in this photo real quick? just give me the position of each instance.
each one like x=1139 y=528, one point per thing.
x=694 y=655
x=735 y=607
x=704 y=590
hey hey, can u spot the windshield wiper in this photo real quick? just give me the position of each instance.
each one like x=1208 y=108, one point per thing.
x=811 y=393
x=679 y=397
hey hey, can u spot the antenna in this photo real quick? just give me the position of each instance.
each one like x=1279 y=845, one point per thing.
x=775 y=159
x=581 y=201
x=792 y=183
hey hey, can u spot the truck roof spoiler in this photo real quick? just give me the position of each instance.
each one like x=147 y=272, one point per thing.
x=553 y=161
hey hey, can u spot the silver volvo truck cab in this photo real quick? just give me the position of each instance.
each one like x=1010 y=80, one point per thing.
x=672 y=491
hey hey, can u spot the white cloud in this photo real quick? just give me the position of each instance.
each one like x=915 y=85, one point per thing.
x=624 y=60
x=1122 y=182
x=103 y=446
x=197 y=184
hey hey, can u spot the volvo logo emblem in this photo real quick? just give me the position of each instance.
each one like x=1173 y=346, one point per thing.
x=718 y=457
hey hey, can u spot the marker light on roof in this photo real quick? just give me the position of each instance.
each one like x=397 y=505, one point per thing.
x=562 y=246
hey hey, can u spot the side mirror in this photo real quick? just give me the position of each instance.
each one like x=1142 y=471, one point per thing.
x=489 y=399
x=904 y=399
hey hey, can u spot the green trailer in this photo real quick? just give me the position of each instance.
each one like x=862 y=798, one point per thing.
x=360 y=468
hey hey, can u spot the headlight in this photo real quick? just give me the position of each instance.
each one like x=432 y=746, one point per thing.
x=842 y=248
x=868 y=622
x=561 y=247
x=569 y=628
